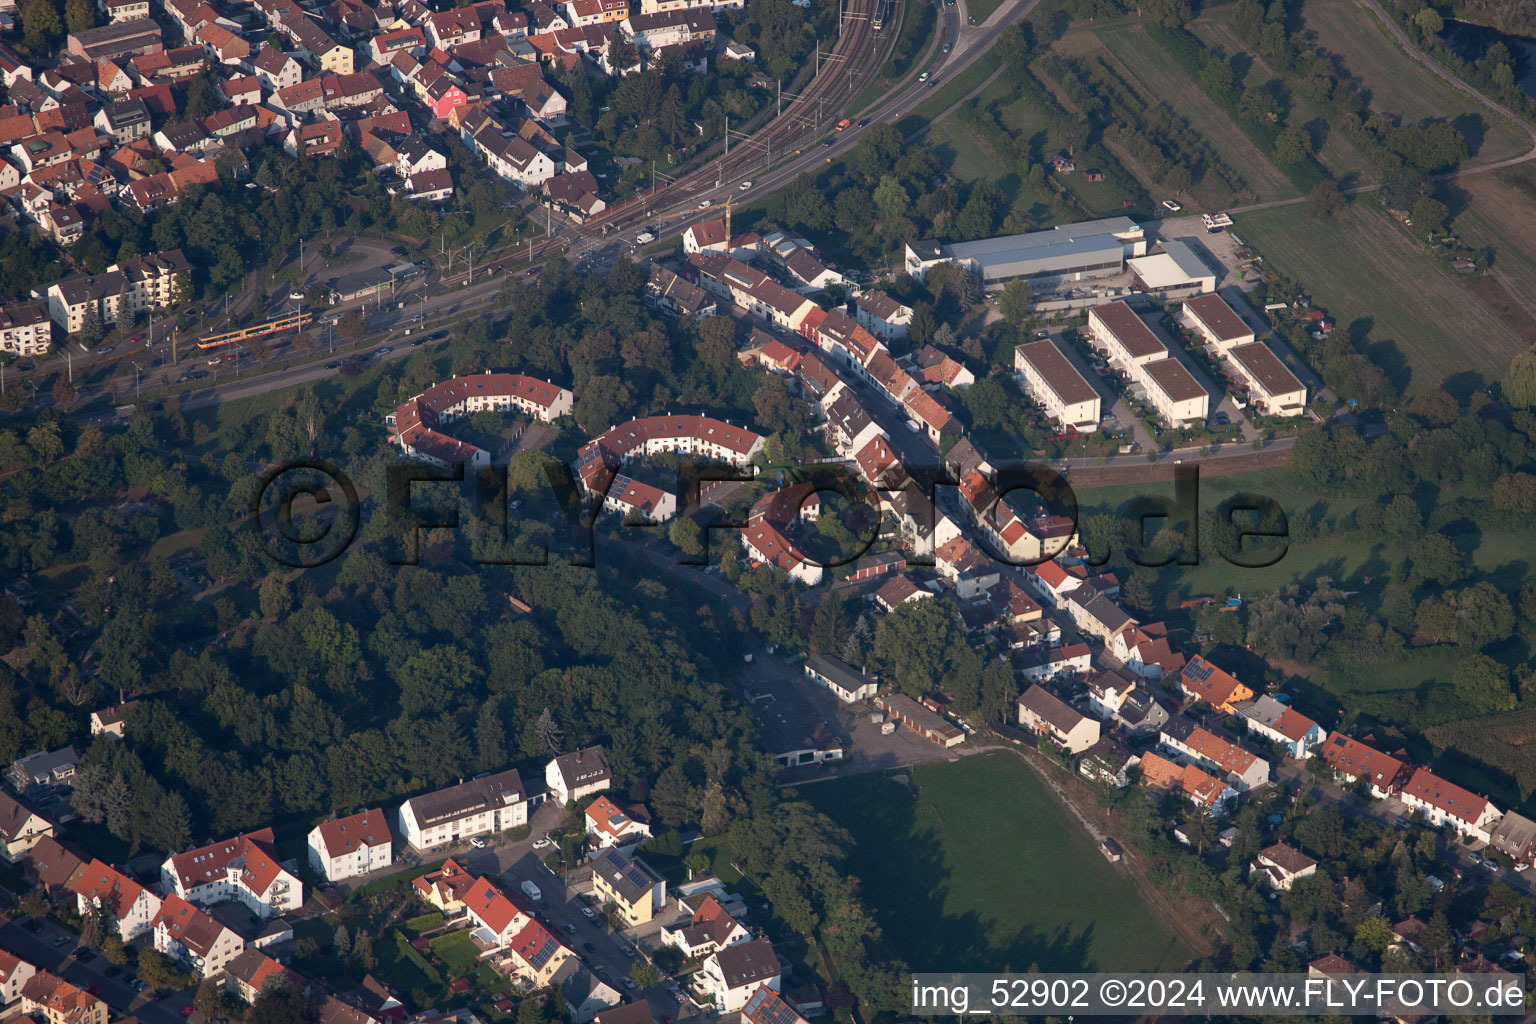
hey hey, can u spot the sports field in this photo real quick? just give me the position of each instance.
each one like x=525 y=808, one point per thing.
x=1373 y=278
x=976 y=866
x=1396 y=84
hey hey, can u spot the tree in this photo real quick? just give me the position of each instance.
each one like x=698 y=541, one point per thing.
x=1520 y=382
x=34 y=903
x=40 y=24
x=1137 y=593
x=209 y=1000
x=159 y=972
x=1292 y=146
x=1429 y=21
x=63 y=390
x=684 y=534
x=362 y=953
x=1482 y=685
x=548 y=731
x=1016 y=302
x=999 y=689
x=891 y=199
x=352 y=326
x=1325 y=198
x=79 y=15
x=278 y=1002
x=644 y=974
x=341 y=942
x=1429 y=216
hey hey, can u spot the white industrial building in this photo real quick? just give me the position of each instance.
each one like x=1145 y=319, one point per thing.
x=1174 y=272
x=1067 y=252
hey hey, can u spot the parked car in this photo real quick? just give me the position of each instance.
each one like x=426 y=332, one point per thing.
x=296 y=296
x=107 y=351
x=570 y=929
x=589 y=947
x=629 y=983
x=912 y=426
x=1171 y=206
x=588 y=913
x=541 y=842
x=332 y=366
x=477 y=843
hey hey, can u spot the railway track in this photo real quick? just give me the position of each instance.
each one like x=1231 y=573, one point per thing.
x=858 y=49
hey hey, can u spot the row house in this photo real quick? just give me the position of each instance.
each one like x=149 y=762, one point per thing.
x=14 y=975
x=1282 y=724
x=670 y=294
x=507 y=155
x=635 y=501
x=1193 y=783
x=450 y=28
x=125 y=904
x=184 y=933
x=1123 y=698
x=1444 y=803
x=321 y=49
x=275 y=69
x=344 y=848
x=525 y=83
x=125 y=120
x=1049 y=378
x=358 y=89
x=123 y=10
x=244 y=868
x=383 y=47
x=1244 y=769
x=1202 y=681
x=127 y=288
x=243 y=91
x=25 y=328
x=417 y=419
x=303 y=97
x=596 y=12
x=665 y=28
x=656 y=6
x=478 y=807
x=1043 y=665
x=877 y=312
x=222 y=45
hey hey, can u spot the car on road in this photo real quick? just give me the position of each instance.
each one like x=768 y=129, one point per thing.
x=530 y=271
x=912 y=426
x=477 y=843
x=947 y=47
x=84 y=955
x=332 y=366
x=418 y=341
x=706 y=204
x=186 y=1011
x=570 y=929
x=629 y=984
x=386 y=350
x=629 y=951
x=588 y=913
x=745 y=185
x=61 y=940
x=106 y=351
x=1171 y=206
x=136 y=339
x=844 y=125
x=827 y=142
x=399 y=250
x=933 y=82
x=923 y=77
x=215 y=361
x=296 y=296
x=589 y=947
x=542 y=841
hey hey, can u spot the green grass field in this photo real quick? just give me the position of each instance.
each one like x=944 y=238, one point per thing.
x=1372 y=277
x=458 y=953
x=1396 y=84
x=977 y=866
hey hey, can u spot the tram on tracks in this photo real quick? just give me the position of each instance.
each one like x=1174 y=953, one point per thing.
x=291 y=322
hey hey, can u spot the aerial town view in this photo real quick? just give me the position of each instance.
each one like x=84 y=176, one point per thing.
x=778 y=511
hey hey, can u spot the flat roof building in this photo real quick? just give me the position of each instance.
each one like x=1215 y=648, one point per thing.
x=1174 y=393
x=1177 y=270
x=1271 y=387
x=1067 y=252
x=1051 y=379
x=1117 y=331
x=1217 y=322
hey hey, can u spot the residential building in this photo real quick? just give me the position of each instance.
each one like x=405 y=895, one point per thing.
x=630 y=1013
x=124 y=119
x=629 y=884
x=1109 y=762
x=14 y=974
x=845 y=681
x=1273 y=390
x=1243 y=768
x=417 y=421
x=609 y=825
x=446 y=887
x=347 y=847
x=1216 y=322
x=252 y=970
x=1444 y=803
x=536 y=955
x=1515 y=837
x=1283 y=866
x=124 y=10
x=495 y=915
x=111 y=720
x=125 y=289
x=882 y=315
x=1351 y=760
x=1126 y=341
x=184 y=933
x=244 y=868
x=1282 y=724
x=1050 y=379
x=709 y=929
x=730 y=975
x=51 y=865
x=126 y=904
x=1173 y=391
x=478 y=807
x=43 y=773
x=25 y=328
x=20 y=827
x=1049 y=715
x=579 y=774
x=59 y=1002
x=1196 y=785
x=765 y=1006
x=1200 y=680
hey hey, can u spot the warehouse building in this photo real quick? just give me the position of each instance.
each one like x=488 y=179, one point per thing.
x=1067 y=252
x=1174 y=393
x=1273 y=389
x=1175 y=272
x=1217 y=322
x=1052 y=380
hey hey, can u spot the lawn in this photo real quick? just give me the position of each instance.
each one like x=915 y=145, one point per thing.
x=981 y=10
x=404 y=968
x=458 y=953
x=976 y=866
x=1396 y=84
x=1424 y=323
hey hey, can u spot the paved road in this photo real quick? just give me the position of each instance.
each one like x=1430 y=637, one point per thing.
x=43 y=950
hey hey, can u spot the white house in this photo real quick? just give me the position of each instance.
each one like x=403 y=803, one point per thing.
x=347 y=847
x=1283 y=866
x=1446 y=804
x=709 y=929
x=129 y=906
x=731 y=975
x=610 y=825
x=244 y=868
x=478 y=807
x=1044 y=712
x=14 y=972
x=1282 y=724
x=578 y=774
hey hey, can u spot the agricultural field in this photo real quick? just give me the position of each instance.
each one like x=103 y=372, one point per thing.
x=975 y=865
x=1424 y=323
x=1498 y=209
x=1149 y=70
x=1395 y=83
